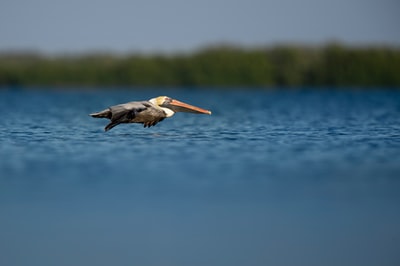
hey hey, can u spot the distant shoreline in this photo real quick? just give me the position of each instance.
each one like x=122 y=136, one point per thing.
x=332 y=65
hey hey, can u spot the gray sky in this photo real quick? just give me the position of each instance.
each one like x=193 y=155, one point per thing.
x=59 y=26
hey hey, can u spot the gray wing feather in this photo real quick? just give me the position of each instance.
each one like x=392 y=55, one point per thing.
x=126 y=110
x=135 y=112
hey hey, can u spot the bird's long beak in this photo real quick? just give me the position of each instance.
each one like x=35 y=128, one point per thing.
x=178 y=106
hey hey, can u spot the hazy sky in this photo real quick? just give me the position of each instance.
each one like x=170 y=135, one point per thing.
x=172 y=25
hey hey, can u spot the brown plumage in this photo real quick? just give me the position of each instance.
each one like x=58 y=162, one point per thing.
x=148 y=113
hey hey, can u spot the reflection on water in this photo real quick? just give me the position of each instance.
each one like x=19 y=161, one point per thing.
x=279 y=177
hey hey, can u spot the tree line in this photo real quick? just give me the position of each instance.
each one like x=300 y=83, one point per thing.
x=330 y=65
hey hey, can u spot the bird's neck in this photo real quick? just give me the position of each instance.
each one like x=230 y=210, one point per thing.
x=156 y=102
x=169 y=112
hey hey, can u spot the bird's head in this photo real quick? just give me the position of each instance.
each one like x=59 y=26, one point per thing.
x=173 y=105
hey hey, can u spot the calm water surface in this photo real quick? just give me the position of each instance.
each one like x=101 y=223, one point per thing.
x=270 y=178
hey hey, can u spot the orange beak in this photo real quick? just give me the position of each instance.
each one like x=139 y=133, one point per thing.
x=178 y=106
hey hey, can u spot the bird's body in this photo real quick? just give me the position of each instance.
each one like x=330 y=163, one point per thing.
x=148 y=113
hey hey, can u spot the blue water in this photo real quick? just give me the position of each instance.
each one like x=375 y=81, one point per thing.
x=280 y=177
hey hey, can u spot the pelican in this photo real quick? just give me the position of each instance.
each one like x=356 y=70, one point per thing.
x=148 y=113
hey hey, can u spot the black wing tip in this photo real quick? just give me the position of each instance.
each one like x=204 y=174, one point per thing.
x=152 y=123
x=110 y=126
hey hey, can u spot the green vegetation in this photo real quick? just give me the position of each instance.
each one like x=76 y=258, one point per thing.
x=332 y=65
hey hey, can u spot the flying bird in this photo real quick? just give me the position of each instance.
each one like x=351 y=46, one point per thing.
x=148 y=113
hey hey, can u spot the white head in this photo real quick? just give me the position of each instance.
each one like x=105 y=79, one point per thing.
x=171 y=106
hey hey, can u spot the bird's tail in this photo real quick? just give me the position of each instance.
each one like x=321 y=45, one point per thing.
x=103 y=114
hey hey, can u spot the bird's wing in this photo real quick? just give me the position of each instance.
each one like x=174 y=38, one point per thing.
x=135 y=112
x=126 y=110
